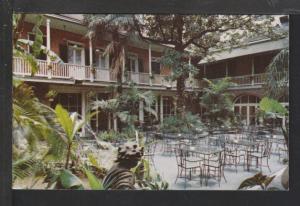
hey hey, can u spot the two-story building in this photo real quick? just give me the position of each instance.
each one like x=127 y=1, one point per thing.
x=72 y=76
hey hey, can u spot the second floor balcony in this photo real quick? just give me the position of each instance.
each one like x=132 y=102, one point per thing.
x=66 y=71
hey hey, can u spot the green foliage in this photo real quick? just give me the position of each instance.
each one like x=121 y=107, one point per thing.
x=277 y=82
x=18 y=46
x=272 y=108
x=24 y=167
x=63 y=179
x=147 y=179
x=70 y=124
x=174 y=59
x=126 y=105
x=218 y=103
x=186 y=124
x=94 y=182
x=259 y=179
x=114 y=136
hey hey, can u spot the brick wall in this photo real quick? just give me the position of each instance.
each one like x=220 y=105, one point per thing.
x=61 y=37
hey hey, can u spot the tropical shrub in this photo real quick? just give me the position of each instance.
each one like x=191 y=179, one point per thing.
x=184 y=124
x=218 y=103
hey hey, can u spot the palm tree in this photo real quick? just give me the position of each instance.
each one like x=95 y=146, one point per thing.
x=277 y=82
x=126 y=105
x=114 y=24
x=217 y=102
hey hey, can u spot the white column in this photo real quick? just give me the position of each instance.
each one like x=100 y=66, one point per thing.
x=83 y=110
x=48 y=48
x=123 y=64
x=141 y=112
x=248 y=115
x=150 y=65
x=190 y=74
x=252 y=70
x=109 y=121
x=156 y=107
x=91 y=59
x=161 y=109
x=115 y=122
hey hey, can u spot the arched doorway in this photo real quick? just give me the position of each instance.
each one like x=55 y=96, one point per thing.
x=246 y=106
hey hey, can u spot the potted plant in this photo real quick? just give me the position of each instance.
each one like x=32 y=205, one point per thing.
x=51 y=94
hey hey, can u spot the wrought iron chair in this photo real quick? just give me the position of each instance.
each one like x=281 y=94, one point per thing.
x=214 y=167
x=186 y=165
x=263 y=151
x=234 y=154
x=150 y=151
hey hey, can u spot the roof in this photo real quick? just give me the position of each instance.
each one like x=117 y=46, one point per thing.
x=259 y=46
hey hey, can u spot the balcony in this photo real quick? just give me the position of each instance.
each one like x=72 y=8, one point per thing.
x=249 y=80
x=66 y=71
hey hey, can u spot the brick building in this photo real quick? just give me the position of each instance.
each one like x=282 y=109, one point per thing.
x=72 y=79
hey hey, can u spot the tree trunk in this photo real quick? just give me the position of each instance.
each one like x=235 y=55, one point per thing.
x=180 y=95
x=68 y=156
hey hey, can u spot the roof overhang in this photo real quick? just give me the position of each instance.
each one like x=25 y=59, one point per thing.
x=254 y=48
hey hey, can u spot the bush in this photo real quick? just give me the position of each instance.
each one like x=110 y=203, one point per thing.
x=187 y=124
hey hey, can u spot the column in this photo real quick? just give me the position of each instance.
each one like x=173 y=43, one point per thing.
x=141 y=112
x=48 y=48
x=150 y=64
x=123 y=64
x=115 y=122
x=252 y=71
x=92 y=74
x=83 y=111
x=156 y=108
x=248 y=115
x=161 y=109
x=109 y=121
x=190 y=74
x=226 y=69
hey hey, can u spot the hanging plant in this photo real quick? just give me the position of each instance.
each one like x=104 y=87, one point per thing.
x=51 y=94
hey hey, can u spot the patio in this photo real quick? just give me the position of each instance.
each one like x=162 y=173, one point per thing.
x=164 y=160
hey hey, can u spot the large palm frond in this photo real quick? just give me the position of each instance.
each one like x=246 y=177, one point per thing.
x=277 y=78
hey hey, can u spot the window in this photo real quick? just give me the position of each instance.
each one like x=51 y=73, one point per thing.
x=168 y=107
x=132 y=63
x=75 y=54
x=101 y=61
x=155 y=65
x=70 y=101
x=99 y=121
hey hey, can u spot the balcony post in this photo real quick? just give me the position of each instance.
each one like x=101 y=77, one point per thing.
x=92 y=71
x=150 y=64
x=156 y=107
x=190 y=79
x=83 y=110
x=161 y=109
x=141 y=112
x=252 y=71
x=115 y=119
x=49 y=66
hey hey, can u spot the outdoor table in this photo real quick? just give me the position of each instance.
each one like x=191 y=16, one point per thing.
x=245 y=143
x=206 y=152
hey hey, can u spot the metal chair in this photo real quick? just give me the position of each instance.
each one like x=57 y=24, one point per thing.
x=214 y=167
x=186 y=165
x=263 y=151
